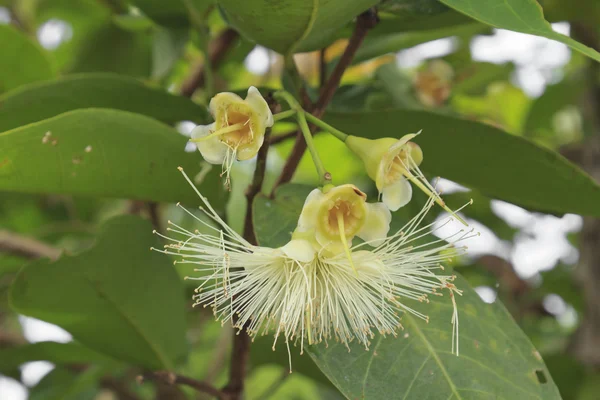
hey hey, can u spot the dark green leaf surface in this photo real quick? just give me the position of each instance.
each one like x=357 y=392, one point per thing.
x=524 y=16
x=284 y=209
x=39 y=101
x=118 y=298
x=496 y=360
x=11 y=358
x=64 y=384
x=382 y=44
x=31 y=65
x=291 y=26
x=98 y=152
x=480 y=156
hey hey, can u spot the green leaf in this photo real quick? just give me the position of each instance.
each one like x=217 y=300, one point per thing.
x=64 y=384
x=98 y=152
x=21 y=60
x=168 y=46
x=309 y=25
x=496 y=357
x=476 y=155
x=118 y=298
x=382 y=44
x=172 y=13
x=56 y=353
x=285 y=209
x=111 y=49
x=39 y=101
x=524 y=16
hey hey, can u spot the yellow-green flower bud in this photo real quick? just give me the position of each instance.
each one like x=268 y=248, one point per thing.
x=388 y=161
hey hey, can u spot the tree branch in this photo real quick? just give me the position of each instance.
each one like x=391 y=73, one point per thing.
x=27 y=247
x=364 y=22
x=171 y=378
x=217 y=49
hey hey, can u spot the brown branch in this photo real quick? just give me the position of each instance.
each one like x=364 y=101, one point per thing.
x=322 y=68
x=364 y=22
x=256 y=186
x=217 y=49
x=27 y=247
x=171 y=378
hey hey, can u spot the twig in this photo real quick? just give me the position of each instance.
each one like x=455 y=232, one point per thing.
x=364 y=22
x=217 y=49
x=256 y=186
x=322 y=68
x=27 y=247
x=171 y=378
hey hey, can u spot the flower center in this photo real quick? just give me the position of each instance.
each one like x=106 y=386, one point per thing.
x=344 y=217
x=398 y=166
x=242 y=133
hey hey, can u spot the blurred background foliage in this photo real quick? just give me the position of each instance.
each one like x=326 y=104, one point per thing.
x=425 y=65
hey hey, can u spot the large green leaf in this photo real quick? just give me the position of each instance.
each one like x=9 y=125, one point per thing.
x=21 y=60
x=11 y=358
x=382 y=44
x=496 y=359
x=118 y=298
x=291 y=26
x=524 y=16
x=64 y=384
x=102 y=152
x=485 y=158
x=43 y=100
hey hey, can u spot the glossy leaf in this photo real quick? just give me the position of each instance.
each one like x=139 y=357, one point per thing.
x=64 y=384
x=98 y=152
x=43 y=100
x=309 y=25
x=524 y=16
x=118 y=298
x=382 y=44
x=285 y=209
x=11 y=358
x=21 y=60
x=496 y=358
x=485 y=158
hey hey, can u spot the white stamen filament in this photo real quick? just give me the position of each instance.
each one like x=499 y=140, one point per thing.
x=326 y=298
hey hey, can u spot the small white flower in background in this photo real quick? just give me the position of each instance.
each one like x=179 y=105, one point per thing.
x=309 y=297
x=238 y=131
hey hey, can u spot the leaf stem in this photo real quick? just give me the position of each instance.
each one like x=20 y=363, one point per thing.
x=326 y=127
x=324 y=176
x=283 y=115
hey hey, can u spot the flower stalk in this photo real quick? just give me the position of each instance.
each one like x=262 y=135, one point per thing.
x=324 y=176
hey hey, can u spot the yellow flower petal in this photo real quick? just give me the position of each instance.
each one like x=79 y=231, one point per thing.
x=298 y=249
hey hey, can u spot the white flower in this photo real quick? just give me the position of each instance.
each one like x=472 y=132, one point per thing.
x=238 y=131
x=310 y=297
